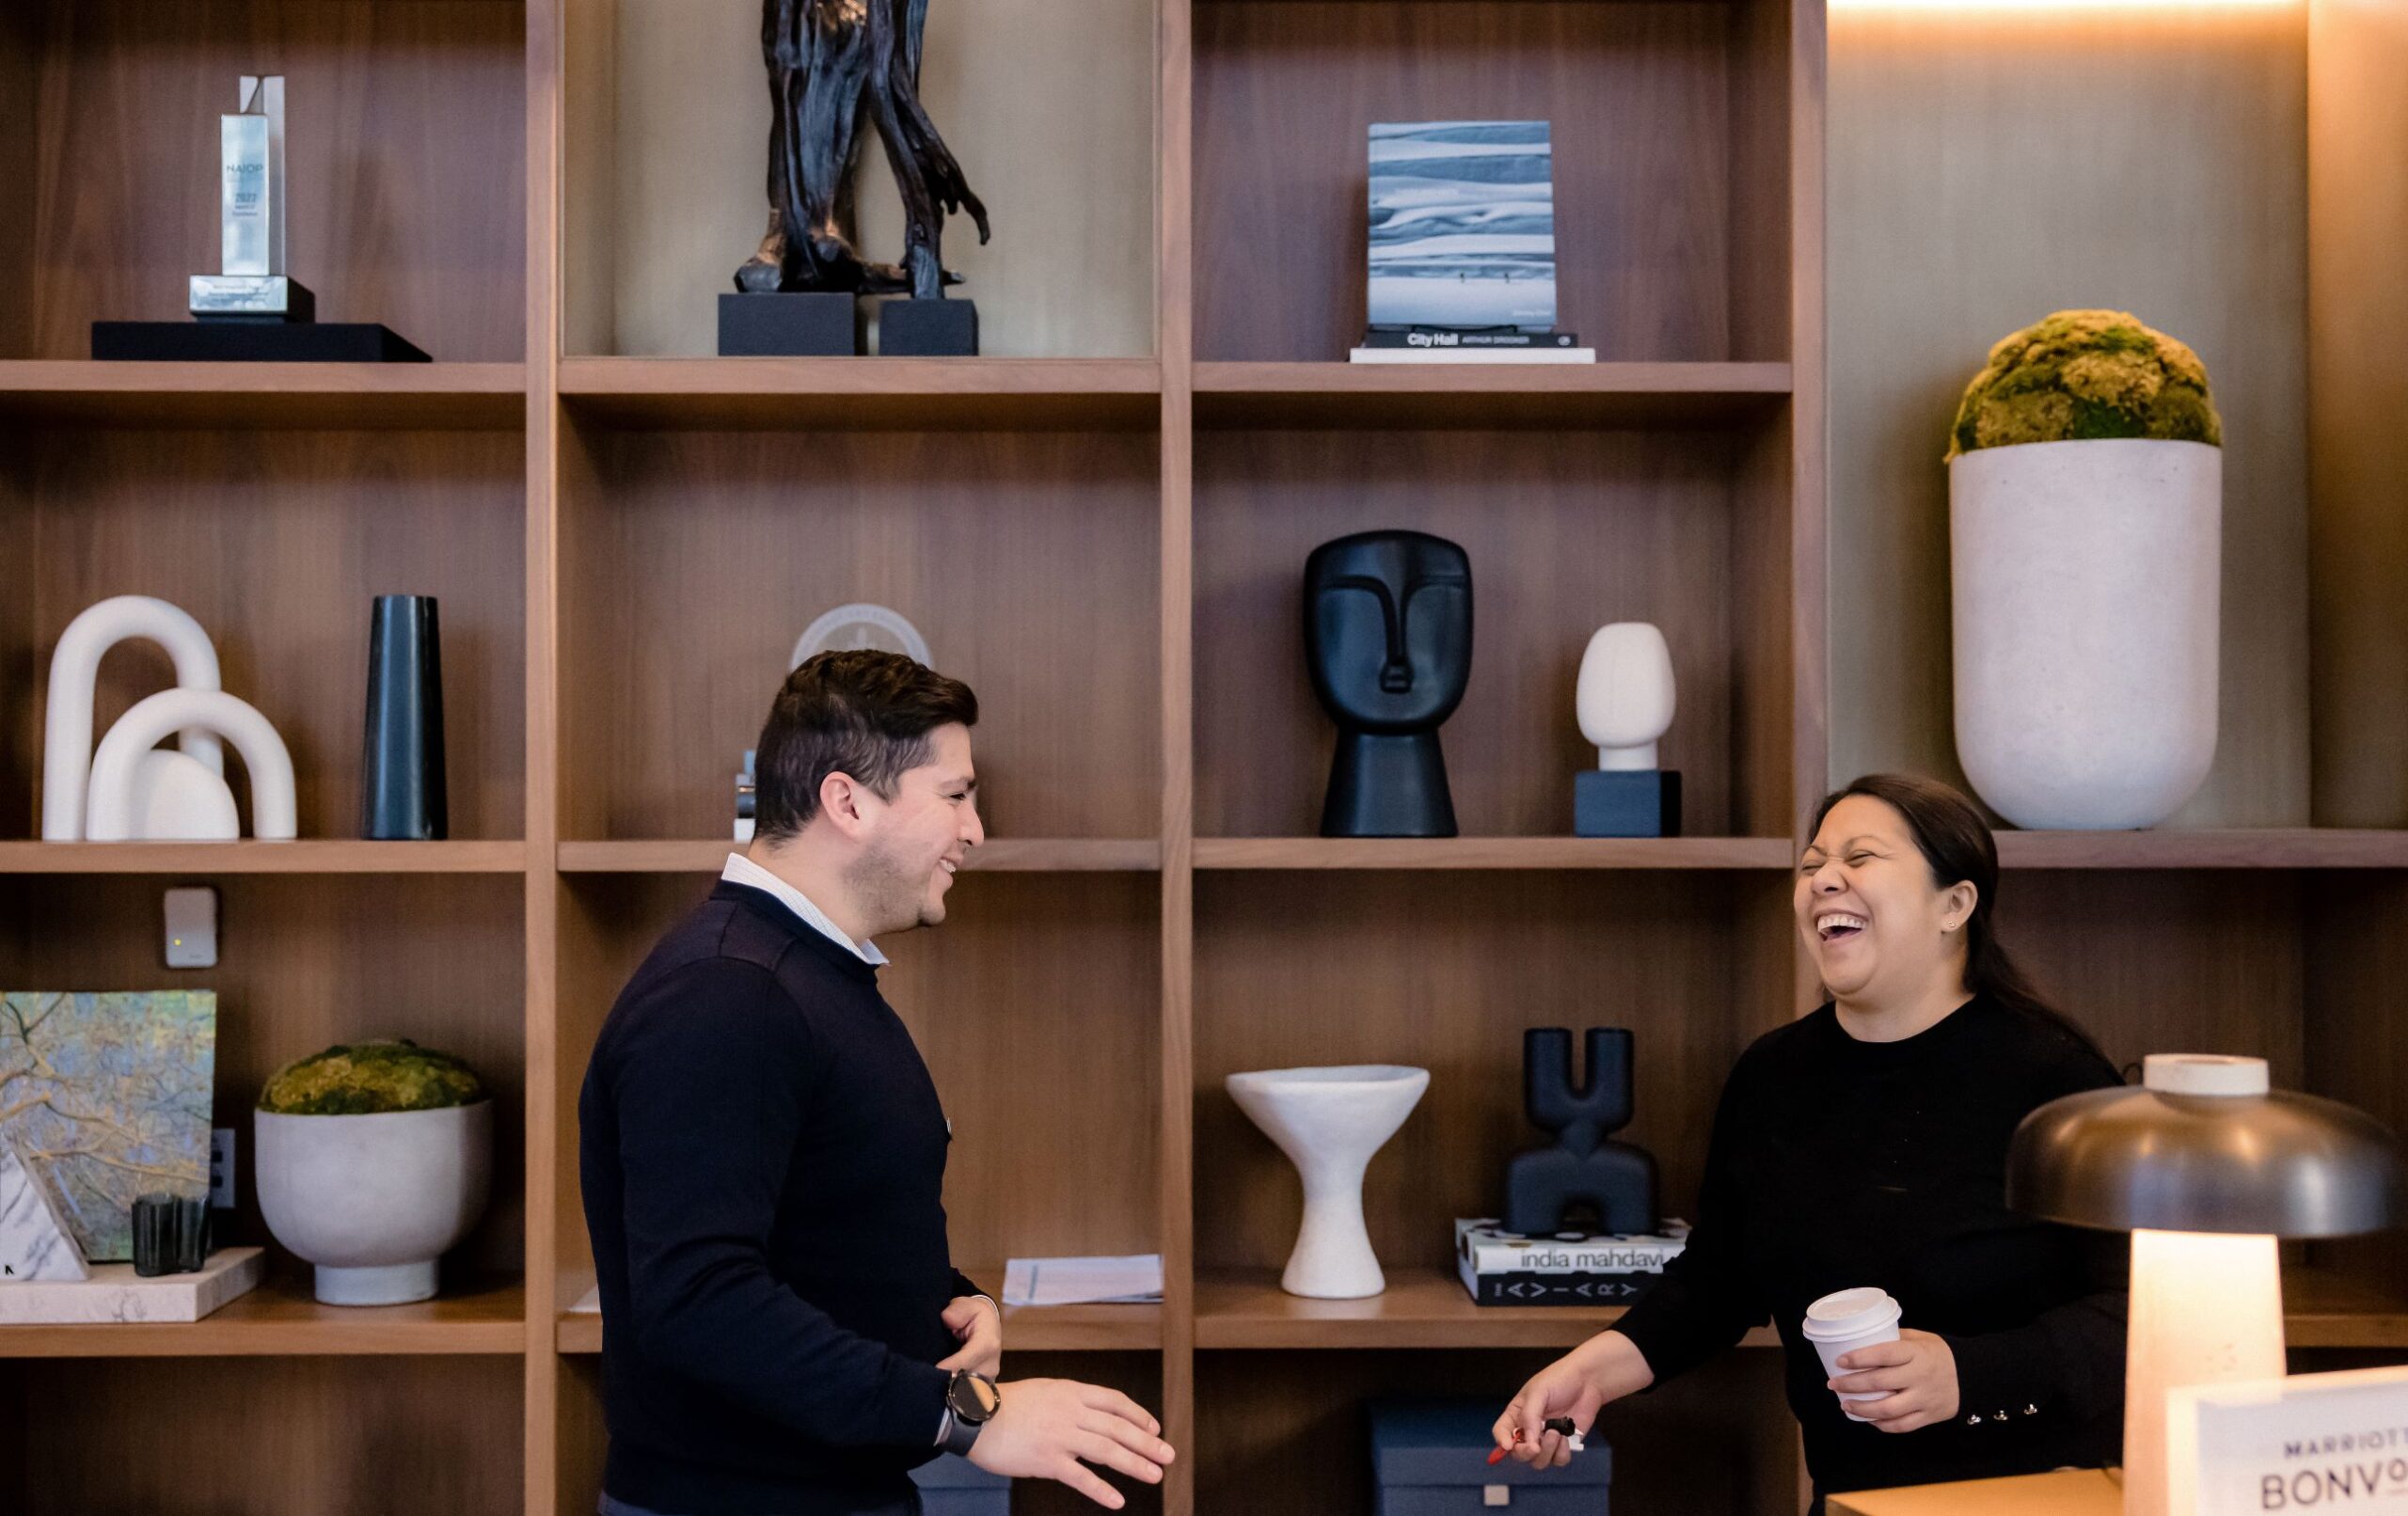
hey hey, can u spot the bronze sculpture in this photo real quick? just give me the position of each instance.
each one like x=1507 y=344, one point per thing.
x=831 y=61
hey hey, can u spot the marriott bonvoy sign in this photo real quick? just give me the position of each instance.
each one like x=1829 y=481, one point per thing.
x=2310 y=1442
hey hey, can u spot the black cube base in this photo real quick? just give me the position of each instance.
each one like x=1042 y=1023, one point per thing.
x=219 y=340
x=818 y=323
x=928 y=329
x=1632 y=802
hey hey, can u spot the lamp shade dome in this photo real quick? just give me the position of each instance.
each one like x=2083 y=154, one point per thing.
x=2159 y=1159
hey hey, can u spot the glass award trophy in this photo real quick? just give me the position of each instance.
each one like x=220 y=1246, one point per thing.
x=251 y=310
x=253 y=285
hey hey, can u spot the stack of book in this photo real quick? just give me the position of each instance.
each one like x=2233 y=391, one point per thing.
x=1502 y=1268
x=1451 y=344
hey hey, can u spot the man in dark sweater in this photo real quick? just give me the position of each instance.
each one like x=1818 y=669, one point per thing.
x=763 y=1156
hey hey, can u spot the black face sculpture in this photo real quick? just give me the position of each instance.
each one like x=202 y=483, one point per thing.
x=1388 y=634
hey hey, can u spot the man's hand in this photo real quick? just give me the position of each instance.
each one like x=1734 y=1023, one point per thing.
x=1918 y=1370
x=978 y=1326
x=1046 y=1426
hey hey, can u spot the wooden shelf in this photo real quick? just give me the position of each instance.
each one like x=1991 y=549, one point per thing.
x=344 y=396
x=1487 y=396
x=1429 y=1308
x=1422 y=1308
x=281 y=1320
x=1493 y=853
x=246 y=856
x=2274 y=847
x=2321 y=1309
x=1018 y=855
x=1026 y=1329
x=866 y=394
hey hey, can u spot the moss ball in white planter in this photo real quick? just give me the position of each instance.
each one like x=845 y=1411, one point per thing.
x=374 y=1159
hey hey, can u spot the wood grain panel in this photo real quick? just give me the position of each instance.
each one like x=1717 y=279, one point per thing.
x=304 y=963
x=1987 y=168
x=271 y=1436
x=1289 y=1432
x=696 y=559
x=282 y=1318
x=2167 y=962
x=277 y=541
x=1640 y=98
x=1590 y=528
x=20 y=46
x=2357 y=390
x=1048 y=104
x=1035 y=982
x=404 y=125
x=1298 y=970
x=2356 y=1045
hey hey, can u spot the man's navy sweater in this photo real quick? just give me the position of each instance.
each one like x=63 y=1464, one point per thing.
x=763 y=1156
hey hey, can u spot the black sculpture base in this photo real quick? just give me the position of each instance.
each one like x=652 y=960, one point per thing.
x=1632 y=802
x=1389 y=787
x=225 y=340
x=928 y=329
x=816 y=324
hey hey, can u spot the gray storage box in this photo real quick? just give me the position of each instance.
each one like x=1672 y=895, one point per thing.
x=1431 y=1459
x=952 y=1486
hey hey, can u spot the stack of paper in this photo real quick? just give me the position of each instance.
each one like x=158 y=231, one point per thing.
x=1136 y=1279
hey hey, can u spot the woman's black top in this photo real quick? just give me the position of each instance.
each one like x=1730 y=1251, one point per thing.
x=1837 y=1163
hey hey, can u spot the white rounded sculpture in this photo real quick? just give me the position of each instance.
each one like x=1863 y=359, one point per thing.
x=153 y=792
x=862 y=626
x=140 y=791
x=2087 y=581
x=1627 y=695
x=74 y=673
x=1329 y=1122
x=375 y=1201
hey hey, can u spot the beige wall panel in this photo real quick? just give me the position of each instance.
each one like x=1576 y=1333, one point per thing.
x=1049 y=105
x=2358 y=178
x=1987 y=168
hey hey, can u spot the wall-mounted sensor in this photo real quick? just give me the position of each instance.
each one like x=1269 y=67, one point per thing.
x=192 y=927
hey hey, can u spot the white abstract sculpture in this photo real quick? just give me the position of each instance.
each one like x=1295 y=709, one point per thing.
x=1329 y=1122
x=133 y=789
x=1626 y=694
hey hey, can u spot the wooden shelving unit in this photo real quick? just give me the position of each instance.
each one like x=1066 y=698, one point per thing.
x=1100 y=525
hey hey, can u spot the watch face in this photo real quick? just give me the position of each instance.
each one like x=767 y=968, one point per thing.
x=973 y=1396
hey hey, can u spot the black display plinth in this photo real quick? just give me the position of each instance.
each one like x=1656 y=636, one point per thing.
x=816 y=324
x=1628 y=802
x=221 y=340
x=928 y=329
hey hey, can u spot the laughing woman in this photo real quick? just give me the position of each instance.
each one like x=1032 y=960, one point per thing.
x=1865 y=1144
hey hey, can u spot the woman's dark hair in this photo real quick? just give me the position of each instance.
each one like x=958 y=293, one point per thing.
x=862 y=713
x=1956 y=844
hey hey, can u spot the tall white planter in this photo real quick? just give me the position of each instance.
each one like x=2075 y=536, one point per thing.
x=2086 y=579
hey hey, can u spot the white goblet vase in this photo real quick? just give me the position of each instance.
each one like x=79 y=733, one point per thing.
x=1329 y=1122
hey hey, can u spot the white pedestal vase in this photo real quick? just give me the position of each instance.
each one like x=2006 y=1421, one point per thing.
x=375 y=1201
x=1329 y=1122
x=2086 y=589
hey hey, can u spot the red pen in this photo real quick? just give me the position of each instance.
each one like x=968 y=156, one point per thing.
x=1555 y=1424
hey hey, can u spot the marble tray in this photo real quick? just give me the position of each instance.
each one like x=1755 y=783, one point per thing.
x=115 y=1293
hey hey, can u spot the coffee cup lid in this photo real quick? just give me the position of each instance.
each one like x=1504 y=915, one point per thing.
x=1847 y=1312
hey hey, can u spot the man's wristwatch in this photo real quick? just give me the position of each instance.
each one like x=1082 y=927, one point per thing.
x=970 y=1402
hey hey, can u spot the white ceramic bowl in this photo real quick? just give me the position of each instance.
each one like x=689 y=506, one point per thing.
x=375 y=1201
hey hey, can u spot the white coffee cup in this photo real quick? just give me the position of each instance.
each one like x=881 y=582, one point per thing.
x=1842 y=1322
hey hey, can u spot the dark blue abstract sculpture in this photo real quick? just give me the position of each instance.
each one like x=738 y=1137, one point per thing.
x=1544 y=1185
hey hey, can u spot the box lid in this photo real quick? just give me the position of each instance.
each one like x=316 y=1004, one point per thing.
x=1447 y=1443
x=950 y=1471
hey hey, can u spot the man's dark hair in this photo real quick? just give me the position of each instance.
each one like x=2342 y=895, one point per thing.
x=864 y=714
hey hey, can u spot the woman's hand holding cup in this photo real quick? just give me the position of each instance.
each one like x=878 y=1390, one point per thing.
x=1915 y=1377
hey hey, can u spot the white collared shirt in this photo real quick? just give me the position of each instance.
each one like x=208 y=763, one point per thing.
x=742 y=869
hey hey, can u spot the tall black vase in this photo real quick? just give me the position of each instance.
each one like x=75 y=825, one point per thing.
x=401 y=768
